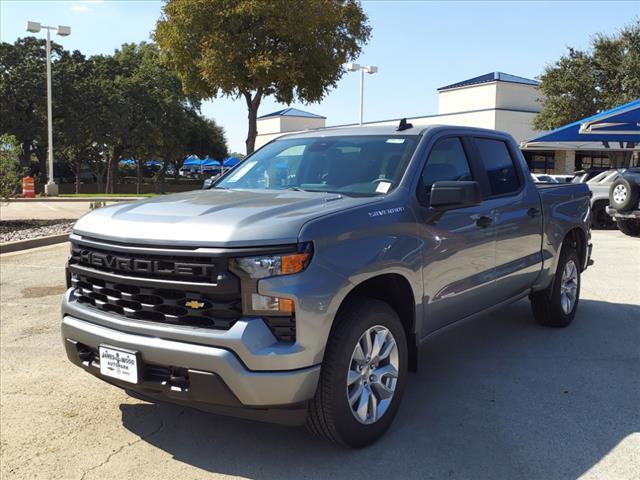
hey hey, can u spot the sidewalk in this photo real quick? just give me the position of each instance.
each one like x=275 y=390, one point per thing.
x=38 y=209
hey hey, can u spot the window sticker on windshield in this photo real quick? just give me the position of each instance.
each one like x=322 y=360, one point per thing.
x=383 y=187
x=395 y=140
x=241 y=172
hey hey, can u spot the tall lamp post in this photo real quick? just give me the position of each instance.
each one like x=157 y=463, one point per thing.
x=354 y=67
x=50 y=189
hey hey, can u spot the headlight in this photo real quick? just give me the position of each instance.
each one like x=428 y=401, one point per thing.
x=274 y=265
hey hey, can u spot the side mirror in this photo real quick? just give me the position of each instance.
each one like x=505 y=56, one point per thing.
x=446 y=195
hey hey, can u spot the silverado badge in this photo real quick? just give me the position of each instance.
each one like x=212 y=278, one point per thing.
x=193 y=304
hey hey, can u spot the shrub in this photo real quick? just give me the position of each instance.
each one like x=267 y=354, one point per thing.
x=10 y=170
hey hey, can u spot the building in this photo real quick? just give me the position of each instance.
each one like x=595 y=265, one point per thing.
x=495 y=100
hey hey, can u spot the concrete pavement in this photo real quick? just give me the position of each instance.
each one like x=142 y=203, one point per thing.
x=498 y=397
x=44 y=210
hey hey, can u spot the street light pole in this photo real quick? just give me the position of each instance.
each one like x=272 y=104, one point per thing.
x=50 y=189
x=354 y=67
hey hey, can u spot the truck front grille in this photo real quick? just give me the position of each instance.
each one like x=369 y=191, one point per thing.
x=178 y=288
x=165 y=305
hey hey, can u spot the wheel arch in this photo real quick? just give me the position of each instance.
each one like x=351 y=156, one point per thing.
x=576 y=238
x=395 y=290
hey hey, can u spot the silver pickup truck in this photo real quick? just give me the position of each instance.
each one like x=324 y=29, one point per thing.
x=300 y=287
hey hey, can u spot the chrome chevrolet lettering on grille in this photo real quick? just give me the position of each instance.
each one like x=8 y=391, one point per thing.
x=139 y=265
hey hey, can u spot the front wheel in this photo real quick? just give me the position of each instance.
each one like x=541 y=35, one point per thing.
x=600 y=219
x=557 y=304
x=629 y=226
x=363 y=375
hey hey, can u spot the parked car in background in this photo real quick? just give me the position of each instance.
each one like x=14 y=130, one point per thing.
x=599 y=186
x=582 y=176
x=624 y=202
x=543 y=178
x=563 y=178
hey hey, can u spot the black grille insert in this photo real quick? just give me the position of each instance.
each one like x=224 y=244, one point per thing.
x=178 y=307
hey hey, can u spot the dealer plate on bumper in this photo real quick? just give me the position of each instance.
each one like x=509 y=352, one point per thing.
x=120 y=364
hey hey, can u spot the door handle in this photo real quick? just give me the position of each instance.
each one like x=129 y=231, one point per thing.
x=533 y=212
x=484 y=221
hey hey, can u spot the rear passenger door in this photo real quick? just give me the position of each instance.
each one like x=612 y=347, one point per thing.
x=516 y=208
x=458 y=244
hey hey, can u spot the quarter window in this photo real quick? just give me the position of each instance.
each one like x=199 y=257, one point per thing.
x=447 y=162
x=498 y=164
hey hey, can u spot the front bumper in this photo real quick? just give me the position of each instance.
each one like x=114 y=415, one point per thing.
x=216 y=379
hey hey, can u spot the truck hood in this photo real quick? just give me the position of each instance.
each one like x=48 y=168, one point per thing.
x=214 y=218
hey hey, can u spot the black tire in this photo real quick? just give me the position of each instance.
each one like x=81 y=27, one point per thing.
x=600 y=219
x=547 y=304
x=623 y=194
x=329 y=413
x=629 y=226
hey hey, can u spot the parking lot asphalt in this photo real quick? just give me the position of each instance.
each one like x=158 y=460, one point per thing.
x=44 y=210
x=497 y=397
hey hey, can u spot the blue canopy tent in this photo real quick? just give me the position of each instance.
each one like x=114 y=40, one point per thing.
x=620 y=124
x=129 y=162
x=230 y=162
x=210 y=162
x=192 y=161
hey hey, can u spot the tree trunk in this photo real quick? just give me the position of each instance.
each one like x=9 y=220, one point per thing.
x=25 y=154
x=139 y=177
x=78 y=172
x=252 y=106
x=112 y=169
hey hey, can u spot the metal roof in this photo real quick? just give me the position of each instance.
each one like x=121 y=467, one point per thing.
x=491 y=77
x=620 y=124
x=292 y=112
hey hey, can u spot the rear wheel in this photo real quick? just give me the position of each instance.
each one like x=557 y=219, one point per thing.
x=557 y=304
x=629 y=226
x=363 y=375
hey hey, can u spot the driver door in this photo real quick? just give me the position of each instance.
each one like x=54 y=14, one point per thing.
x=458 y=244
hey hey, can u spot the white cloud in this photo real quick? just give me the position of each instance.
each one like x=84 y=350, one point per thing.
x=79 y=8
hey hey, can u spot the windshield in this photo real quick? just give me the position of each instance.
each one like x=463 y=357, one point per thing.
x=353 y=165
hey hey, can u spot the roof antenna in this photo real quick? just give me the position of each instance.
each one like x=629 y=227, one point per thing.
x=404 y=125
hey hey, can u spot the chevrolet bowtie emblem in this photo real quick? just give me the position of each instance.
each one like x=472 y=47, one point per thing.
x=194 y=304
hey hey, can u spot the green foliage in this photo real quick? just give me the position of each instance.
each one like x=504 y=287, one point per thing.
x=581 y=84
x=291 y=49
x=105 y=108
x=10 y=170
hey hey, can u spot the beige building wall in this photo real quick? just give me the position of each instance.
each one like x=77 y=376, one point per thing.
x=517 y=96
x=463 y=99
x=269 y=125
x=270 y=128
x=497 y=105
x=518 y=124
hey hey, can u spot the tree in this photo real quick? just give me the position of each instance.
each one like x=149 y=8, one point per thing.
x=582 y=84
x=291 y=49
x=23 y=94
x=10 y=170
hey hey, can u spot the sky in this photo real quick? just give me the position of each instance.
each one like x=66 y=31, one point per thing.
x=418 y=46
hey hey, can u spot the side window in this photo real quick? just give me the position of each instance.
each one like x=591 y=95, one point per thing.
x=499 y=166
x=446 y=162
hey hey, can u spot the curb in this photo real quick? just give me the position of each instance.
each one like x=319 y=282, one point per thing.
x=18 y=245
x=73 y=199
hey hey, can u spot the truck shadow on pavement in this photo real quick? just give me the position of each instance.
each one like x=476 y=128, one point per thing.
x=498 y=397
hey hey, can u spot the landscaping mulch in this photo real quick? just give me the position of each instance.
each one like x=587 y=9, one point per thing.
x=12 y=230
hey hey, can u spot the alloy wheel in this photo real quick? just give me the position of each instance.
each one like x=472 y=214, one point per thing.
x=373 y=374
x=569 y=287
